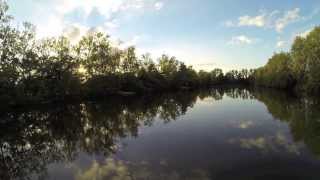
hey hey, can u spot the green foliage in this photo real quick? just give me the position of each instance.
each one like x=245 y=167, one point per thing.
x=299 y=65
x=217 y=76
x=102 y=85
x=131 y=83
x=130 y=62
x=205 y=78
x=186 y=77
x=168 y=66
x=306 y=54
x=33 y=71
x=97 y=55
x=299 y=69
x=54 y=69
x=276 y=73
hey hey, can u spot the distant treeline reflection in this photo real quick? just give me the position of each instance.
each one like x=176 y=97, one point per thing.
x=32 y=139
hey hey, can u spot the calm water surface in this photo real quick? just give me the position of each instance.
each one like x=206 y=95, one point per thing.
x=219 y=134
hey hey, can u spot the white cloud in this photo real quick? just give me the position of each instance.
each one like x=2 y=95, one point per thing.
x=305 y=33
x=112 y=24
x=281 y=44
x=55 y=21
x=132 y=42
x=240 y=40
x=289 y=17
x=229 y=24
x=259 y=21
x=93 y=30
x=75 y=32
x=53 y=26
x=262 y=20
x=104 y=7
x=158 y=5
x=273 y=19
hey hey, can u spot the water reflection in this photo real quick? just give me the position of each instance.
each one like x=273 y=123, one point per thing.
x=266 y=144
x=120 y=170
x=33 y=139
x=301 y=114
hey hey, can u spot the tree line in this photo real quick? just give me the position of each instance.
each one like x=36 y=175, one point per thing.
x=298 y=69
x=52 y=69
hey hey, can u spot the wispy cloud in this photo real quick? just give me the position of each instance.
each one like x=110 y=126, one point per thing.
x=158 y=5
x=241 y=40
x=131 y=42
x=104 y=7
x=262 y=20
x=304 y=34
x=229 y=23
x=275 y=19
x=281 y=44
x=288 y=18
x=111 y=24
x=53 y=26
x=56 y=21
x=74 y=32
x=259 y=21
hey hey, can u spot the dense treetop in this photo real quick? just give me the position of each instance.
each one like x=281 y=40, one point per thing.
x=298 y=69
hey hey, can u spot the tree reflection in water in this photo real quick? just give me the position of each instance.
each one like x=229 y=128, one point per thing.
x=31 y=139
x=301 y=114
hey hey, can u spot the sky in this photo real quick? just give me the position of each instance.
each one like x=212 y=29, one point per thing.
x=207 y=34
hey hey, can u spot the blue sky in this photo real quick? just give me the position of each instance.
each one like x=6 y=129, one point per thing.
x=204 y=33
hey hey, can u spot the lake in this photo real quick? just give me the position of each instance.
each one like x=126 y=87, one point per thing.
x=222 y=133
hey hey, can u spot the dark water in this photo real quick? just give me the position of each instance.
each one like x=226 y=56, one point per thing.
x=219 y=134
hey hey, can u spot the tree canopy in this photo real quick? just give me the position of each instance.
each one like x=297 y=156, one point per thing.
x=52 y=69
x=298 y=69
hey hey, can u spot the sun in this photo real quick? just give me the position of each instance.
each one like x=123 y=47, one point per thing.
x=82 y=70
